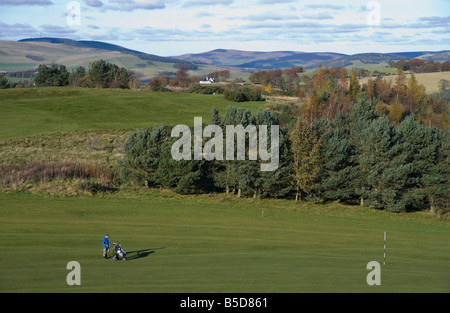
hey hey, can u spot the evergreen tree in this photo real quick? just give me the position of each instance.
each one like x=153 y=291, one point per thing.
x=184 y=177
x=278 y=183
x=55 y=75
x=142 y=154
x=4 y=83
x=430 y=160
x=339 y=169
x=388 y=170
x=103 y=74
x=363 y=114
x=43 y=77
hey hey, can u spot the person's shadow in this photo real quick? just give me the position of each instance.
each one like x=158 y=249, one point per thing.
x=138 y=254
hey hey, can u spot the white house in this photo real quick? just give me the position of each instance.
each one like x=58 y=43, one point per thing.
x=207 y=80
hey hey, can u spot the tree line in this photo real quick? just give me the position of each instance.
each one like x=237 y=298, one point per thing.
x=355 y=157
x=100 y=74
x=329 y=91
x=420 y=66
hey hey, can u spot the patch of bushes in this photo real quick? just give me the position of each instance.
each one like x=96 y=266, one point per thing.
x=208 y=90
x=243 y=95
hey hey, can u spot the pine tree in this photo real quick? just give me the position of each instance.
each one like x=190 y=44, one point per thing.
x=43 y=77
x=337 y=177
x=430 y=159
x=363 y=114
x=142 y=154
x=4 y=83
x=278 y=183
x=387 y=165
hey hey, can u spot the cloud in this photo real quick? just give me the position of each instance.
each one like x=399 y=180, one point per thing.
x=131 y=5
x=94 y=3
x=271 y=16
x=435 y=21
x=52 y=30
x=197 y=3
x=25 y=2
x=325 y=6
x=17 y=30
x=275 y=1
x=318 y=16
x=204 y=14
x=422 y=22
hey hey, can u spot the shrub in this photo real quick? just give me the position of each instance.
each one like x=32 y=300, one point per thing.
x=242 y=95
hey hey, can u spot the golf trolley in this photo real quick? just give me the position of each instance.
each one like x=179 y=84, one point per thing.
x=118 y=252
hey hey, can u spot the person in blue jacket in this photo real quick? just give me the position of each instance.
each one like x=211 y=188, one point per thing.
x=105 y=243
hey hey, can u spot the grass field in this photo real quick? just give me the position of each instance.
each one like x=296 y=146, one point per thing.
x=206 y=243
x=31 y=112
x=215 y=244
x=429 y=80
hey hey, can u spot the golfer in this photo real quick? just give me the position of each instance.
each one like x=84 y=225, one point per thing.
x=105 y=243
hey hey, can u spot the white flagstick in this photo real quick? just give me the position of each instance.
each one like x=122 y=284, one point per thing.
x=384 y=251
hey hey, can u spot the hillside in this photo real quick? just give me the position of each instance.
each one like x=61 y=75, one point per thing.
x=27 y=54
x=365 y=60
x=287 y=59
x=259 y=60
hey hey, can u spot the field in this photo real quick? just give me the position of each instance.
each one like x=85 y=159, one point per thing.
x=215 y=244
x=429 y=80
x=31 y=112
x=204 y=243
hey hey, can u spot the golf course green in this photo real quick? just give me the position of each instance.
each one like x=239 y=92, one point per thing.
x=215 y=244
x=183 y=244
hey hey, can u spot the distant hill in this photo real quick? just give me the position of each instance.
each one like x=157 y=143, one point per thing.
x=364 y=60
x=287 y=59
x=258 y=60
x=27 y=54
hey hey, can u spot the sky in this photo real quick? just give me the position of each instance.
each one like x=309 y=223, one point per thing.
x=175 y=27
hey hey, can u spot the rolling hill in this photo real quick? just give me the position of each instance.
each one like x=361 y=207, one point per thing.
x=256 y=60
x=27 y=54
x=286 y=59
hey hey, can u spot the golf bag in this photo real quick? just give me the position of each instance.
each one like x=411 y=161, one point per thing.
x=118 y=252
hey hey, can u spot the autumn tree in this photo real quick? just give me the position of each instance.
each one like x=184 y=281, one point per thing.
x=305 y=154
x=414 y=94
x=182 y=77
x=354 y=88
x=399 y=89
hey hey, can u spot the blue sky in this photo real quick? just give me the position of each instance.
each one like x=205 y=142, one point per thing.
x=174 y=27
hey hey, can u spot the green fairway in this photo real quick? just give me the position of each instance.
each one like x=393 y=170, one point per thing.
x=204 y=243
x=215 y=244
x=30 y=112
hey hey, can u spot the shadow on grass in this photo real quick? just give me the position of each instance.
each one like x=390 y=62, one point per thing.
x=139 y=254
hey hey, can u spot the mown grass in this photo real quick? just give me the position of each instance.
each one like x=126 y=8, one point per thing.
x=215 y=244
x=206 y=243
x=31 y=112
